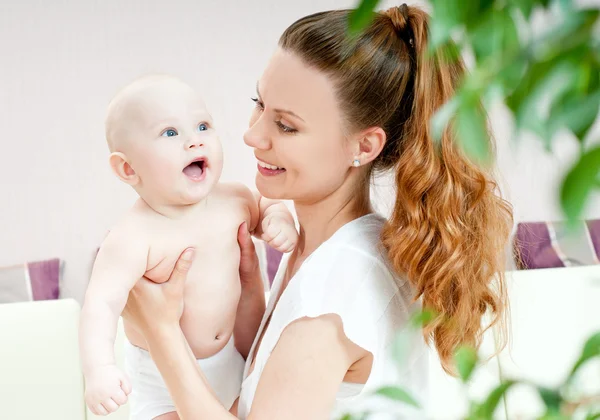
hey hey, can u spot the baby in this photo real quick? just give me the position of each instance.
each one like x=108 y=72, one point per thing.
x=163 y=144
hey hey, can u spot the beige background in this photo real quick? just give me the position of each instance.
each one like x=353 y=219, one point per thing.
x=63 y=60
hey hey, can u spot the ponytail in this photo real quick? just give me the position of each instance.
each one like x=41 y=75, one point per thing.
x=449 y=227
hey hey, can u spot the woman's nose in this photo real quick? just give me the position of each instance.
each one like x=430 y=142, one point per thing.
x=257 y=135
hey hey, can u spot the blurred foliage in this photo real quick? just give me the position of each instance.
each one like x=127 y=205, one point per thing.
x=549 y=79
x=561 y=403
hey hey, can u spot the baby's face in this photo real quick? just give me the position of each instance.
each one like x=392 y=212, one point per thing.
x=172 y=144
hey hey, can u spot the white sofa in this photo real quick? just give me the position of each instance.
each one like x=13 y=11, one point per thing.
x=40 y=373
x=552 y=312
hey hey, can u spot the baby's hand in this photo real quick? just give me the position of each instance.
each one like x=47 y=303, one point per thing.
x=106 y=389
x=279 y=232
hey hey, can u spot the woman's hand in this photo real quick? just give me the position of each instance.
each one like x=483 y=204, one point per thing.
x=251 y=306
x=151 y=305
x=249 y=266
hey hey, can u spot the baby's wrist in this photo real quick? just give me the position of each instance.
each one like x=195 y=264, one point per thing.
x=94 y=369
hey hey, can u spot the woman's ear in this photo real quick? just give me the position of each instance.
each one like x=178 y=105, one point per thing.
x=369 y=144
x=122 y=169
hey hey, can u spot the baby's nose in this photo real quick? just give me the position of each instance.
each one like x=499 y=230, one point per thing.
x=194 y=142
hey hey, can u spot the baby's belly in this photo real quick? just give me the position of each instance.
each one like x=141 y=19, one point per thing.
x=211 y=297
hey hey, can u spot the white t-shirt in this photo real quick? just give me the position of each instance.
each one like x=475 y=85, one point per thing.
x=349 y=275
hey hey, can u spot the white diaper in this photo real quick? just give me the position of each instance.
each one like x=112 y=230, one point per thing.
x=150 y=397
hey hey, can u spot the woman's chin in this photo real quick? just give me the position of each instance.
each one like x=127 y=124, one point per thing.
x=268 y=189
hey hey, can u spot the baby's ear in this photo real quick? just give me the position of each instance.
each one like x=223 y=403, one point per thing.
x=122 y=169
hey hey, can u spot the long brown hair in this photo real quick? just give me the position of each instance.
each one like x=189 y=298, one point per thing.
x=449 y=227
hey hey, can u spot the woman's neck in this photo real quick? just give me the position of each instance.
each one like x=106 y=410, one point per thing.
x=320 y=220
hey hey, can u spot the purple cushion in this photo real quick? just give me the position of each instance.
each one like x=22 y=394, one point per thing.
x=551 y=244
x=44 y=277
x=38 y=280
x=273 y=260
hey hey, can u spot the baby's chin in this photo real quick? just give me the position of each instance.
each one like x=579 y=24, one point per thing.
x=188 y=198
x=194 y=194
x=175 y=198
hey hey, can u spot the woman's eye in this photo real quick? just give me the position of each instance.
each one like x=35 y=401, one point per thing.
x=285 y=128
x=202 y=127
x=169 y=132
x=258 y=103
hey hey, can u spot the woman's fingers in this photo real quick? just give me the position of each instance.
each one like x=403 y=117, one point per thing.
x=248 y=258
x=182 y=266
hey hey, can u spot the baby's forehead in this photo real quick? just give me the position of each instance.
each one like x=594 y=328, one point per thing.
x=166 y=93
x=162 y=98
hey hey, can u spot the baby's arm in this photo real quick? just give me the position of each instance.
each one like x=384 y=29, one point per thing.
x=120 y=263
x=276 y=224
x=269 y=220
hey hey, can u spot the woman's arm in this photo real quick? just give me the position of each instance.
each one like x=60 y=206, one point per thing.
x=251 y=306
x=168 y=347
x=304 y=372
x=191 y=393
x=300 y=380
x=301 y=377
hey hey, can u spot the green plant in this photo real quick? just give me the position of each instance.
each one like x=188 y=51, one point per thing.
x=549 y=81
x=561 y=402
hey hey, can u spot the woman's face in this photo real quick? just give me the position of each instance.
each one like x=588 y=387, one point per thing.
x=296 y=131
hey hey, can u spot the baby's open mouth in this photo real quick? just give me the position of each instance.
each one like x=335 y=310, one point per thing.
x=195 y=170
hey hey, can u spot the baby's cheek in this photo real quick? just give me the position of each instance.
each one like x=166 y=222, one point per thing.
x=216 y=158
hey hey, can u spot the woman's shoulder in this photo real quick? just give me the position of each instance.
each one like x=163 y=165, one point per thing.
x=352 y=269
x=355 y=248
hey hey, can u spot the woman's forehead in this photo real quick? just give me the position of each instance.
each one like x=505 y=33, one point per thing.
x=289 y=83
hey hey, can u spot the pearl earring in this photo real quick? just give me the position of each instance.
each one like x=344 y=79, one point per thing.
x=356 y=162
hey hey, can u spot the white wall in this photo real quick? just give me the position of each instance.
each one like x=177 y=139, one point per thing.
x=62 y=61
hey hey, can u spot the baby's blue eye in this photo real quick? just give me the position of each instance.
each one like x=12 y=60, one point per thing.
x=169 y=133
x=202 y=127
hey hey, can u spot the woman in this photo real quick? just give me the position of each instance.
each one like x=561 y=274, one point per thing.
x=330 y=111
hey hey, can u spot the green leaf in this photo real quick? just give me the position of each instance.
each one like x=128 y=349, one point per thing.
x=487 y=408
x=439 y=34
x=472 y=11
x=465 y=359
x=593 y=416
x=577 y=186
x=569 y=42
x=591 y=348
x=397 y=394
x=494 y=35
x=401 y=345
x=573 y=32
x=525 y=6
x=442 y=117
x=554 y=416
x=512 y=74
x=355 y=416
x=361 y=17
x=547 y=89
x=446 y=16
x=472 y=131
x=551 y=398
x=532 y=77
x=578 y=114
x=422 y=318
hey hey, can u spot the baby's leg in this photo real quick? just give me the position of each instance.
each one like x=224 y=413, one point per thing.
x=168 y=416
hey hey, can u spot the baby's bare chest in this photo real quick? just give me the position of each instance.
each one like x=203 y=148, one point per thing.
x=215 y=243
